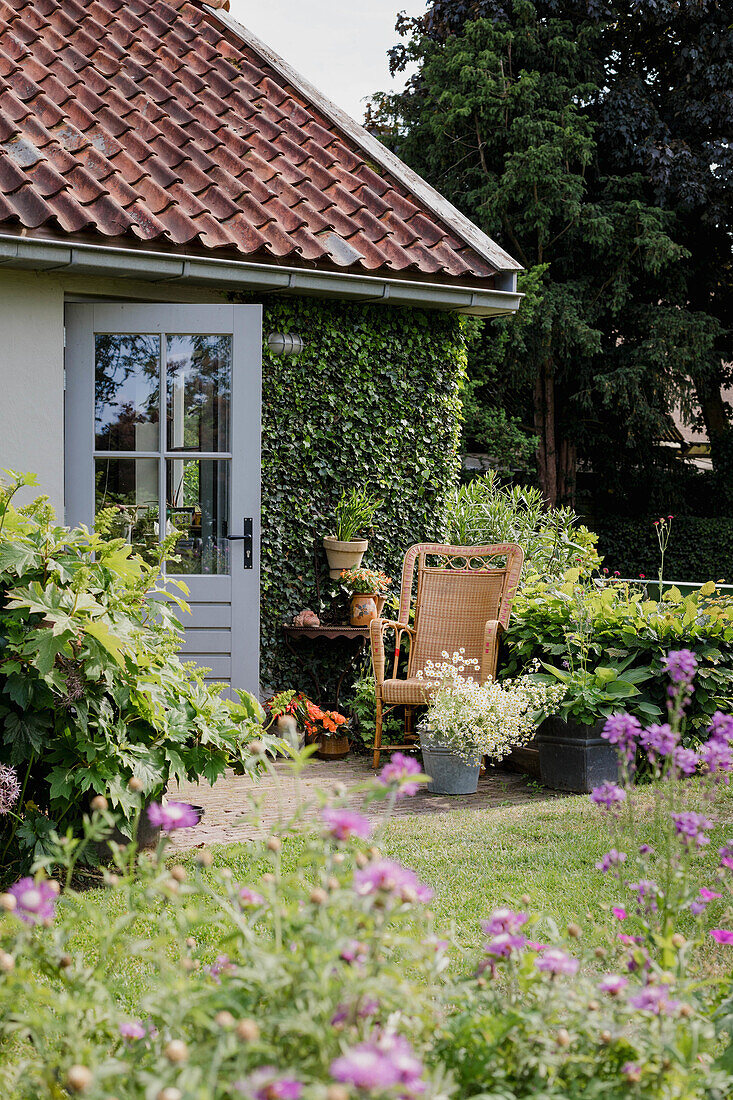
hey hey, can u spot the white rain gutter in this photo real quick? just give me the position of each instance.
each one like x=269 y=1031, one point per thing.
x=41 y=254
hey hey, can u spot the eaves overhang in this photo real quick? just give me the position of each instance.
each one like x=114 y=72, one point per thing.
x=47 y=254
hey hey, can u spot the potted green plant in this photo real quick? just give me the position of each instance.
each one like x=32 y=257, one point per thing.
x=573 y=755
x=345 y=549
x=467 y=721
x=368 y=588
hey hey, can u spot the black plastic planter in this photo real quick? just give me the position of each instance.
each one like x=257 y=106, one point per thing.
x=574 y=757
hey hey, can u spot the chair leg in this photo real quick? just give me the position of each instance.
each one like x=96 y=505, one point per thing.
x=377 y=732
x=409 y=722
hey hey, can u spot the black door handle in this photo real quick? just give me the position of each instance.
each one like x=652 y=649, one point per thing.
x=246 y=538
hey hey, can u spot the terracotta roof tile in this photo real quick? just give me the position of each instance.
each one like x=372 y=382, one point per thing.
x=156 y=121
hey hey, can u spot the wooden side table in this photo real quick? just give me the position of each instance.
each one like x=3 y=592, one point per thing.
x=326 y=632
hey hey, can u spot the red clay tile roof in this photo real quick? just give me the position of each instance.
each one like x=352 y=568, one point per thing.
x=157 y=124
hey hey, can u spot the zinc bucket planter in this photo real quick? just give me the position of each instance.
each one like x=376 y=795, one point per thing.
x=449 y=773
x=343 y=555
x=574 y=757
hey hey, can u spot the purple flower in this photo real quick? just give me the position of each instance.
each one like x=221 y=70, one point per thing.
x=501 y=946
x=503 y=920
x=685 y=761
x=613 y=984
x=655 y=999
x=726 y=855
x=250 y=899
x=619 y=912
x=647 y=892
x=555 y=961
x=717 y=755
x=386 y=876
x=721 y=727
x=608 y=795
x=622 y=730
x=722 y=936
x=681 y=666
x=346 y=1012
x=222 y=964
x=631 y=1070
x=646 y=850
x=343 y=824
x=132 y=1029
x=355 y=952
x=172 y=815
x=700 y=904
x=35 y=901
x=659 y=740
x=398 y=771
x=611 y=859
x=9 y=789
x=266 y=1083
x=380 y=1065
x=689 y=826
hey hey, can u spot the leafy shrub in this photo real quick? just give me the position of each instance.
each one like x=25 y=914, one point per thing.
x=327 y=980
x=92 y=691
x=485 y=511
x=611 y=629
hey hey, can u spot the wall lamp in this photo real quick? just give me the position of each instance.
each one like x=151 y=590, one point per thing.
x=285 y=343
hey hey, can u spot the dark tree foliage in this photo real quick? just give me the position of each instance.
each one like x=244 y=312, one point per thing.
x=592 y=140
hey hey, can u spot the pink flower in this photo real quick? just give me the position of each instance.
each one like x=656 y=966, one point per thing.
x=35 y=901
x=708 y=895
x=613 y=984
x=355 y=952
x=608 y=795
x=557 y=962
x=398 y=771
x=381 y=1065
x=172 y=815
x=722 y=936
x=619 y=912
x=132 y=1029
x=654 y=999
x=250 y=899
x=503 y=920
x=343 y=824
x=501 y=946
x=386 y=876
x=267 y=1084
x=611 y=859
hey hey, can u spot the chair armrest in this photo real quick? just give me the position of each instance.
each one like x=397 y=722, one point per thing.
x=492 y=633
x=377 y=628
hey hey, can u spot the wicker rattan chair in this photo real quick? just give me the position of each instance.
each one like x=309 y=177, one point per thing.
x=463 y=601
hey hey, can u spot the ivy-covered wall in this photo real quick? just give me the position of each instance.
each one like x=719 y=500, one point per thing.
x=373 y=401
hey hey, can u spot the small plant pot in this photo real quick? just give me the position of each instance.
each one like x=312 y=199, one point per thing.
x=333 y=748
x=363 y=609
x=574 y=757
x=343 y=555
x=449 y=773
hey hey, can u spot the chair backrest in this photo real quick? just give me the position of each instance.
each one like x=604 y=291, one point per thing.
x=459 y=588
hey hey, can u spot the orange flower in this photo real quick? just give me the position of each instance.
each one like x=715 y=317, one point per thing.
x=339 y=719
x=329 y=724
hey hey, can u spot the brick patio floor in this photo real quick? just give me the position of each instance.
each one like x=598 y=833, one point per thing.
x=279 y=795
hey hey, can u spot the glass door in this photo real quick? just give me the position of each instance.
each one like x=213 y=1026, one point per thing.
x=173 y=395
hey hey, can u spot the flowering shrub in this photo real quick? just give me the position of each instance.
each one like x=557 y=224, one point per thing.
x=92 y=691
x=308 y=716
x=475 y=720
x=294 y=986
x=368 y=581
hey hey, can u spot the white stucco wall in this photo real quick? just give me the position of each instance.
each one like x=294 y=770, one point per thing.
x=32 y=380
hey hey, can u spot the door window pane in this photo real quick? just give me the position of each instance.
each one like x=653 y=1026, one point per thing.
x=129 y=486
x=199 y=386
x=126 y=392
x=197 y=495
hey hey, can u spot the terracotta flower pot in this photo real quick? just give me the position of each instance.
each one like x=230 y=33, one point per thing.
x=363 y=609
x=333 y=748
x=343 y=555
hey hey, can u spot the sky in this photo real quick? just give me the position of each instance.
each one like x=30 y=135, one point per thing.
x=340 y=47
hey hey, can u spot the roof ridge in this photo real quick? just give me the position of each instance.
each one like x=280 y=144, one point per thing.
x=462 y=226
